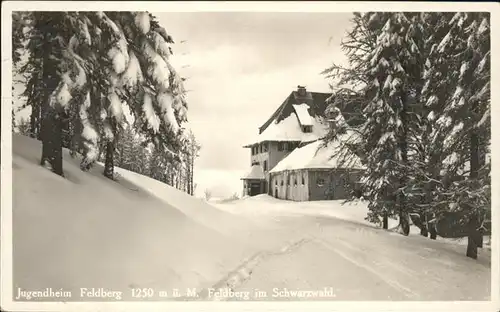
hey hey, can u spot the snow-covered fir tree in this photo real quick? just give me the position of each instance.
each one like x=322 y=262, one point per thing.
x=420 y=84
x=462 y=126
x=103 y=60
x=385 y=55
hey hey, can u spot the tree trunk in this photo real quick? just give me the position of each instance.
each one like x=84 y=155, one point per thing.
x=109 y=167
x=52 y=142
x=473 y=240
x=403 y=146
x=35 y=122
x=108 y=163
x=57 y=164
x=192 y=176
x=423 y=228
x=51 y=120
x=432 y=230
x=404 y=223
x=385 y=222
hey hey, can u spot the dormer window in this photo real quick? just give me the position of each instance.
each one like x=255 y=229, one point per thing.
x=307 y=129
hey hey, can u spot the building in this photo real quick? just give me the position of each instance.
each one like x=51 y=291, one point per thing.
x=311 y=173
x=284 y=162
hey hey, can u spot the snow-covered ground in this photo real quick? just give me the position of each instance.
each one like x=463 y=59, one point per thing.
x=343 y=251
x=355 y=211
x=88 y=231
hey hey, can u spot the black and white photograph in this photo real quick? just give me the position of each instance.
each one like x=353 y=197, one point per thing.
x=187 y=153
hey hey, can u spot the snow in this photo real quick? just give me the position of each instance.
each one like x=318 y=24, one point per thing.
x=289 y=129
x=152 y=119
x=160 y=72
x=255 y=173
x=483 y=62
x=313 y=156
x=444 y=43
x=356 y=211
x=115 y=106
x=161 y=45
x=84 y=28
x=302 y=112
x=89 y=231
x=118 y=59
x=63 y=95
x=165 y=101
x=483 y=27
x=142 y=22
x=463 y=69
x=431 y=101
x=387 y=82
x=133 y=75
x=136 y=232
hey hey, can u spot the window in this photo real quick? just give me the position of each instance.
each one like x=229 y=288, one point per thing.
x=320 y=182
x=275 y=181
x=265 y=146
x=282 y=182
x=280 y=146
x=260 y=146
x=307 y=129
x=285 y=146
x=295 y=181
x=303 y=180
x=288 y=180
x=265 y=165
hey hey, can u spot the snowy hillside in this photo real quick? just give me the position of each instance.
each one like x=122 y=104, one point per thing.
x=89 y=230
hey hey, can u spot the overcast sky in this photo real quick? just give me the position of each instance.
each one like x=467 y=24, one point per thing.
x=241 y=67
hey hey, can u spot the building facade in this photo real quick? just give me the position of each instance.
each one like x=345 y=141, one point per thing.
x=295 y=128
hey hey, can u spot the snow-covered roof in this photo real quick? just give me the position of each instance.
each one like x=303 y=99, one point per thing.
x=313 y=156
x=302 y=112
x=255 y=173
x=289 y=129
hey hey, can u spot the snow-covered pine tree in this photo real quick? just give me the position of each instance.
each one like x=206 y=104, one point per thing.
x=465 y=125
x=18 y=38
x=145 y=79
x=435 y=92
x=53 y=76
x=388 y=83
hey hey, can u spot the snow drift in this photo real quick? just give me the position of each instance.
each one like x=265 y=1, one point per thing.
x=85 y=230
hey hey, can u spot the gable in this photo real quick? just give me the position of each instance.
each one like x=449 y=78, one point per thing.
x=317 y=104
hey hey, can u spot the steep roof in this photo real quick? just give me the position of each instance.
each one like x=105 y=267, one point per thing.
x=255 y=173
x=290 y=130
x=317 y=104
x=313 y=156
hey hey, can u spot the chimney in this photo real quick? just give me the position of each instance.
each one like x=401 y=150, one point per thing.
x=301 y=90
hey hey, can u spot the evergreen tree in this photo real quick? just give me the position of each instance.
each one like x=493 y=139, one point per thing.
x=465 y=125
x=84 y=66
x=385 y=51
